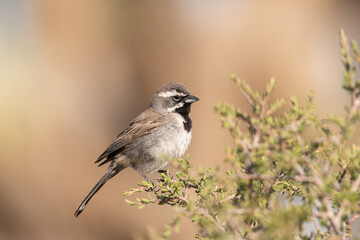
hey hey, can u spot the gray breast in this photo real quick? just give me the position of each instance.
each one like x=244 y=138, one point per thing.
x=156 y=150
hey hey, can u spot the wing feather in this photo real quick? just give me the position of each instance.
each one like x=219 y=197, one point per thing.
x=147 y=122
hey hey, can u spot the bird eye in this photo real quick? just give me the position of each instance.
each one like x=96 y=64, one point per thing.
x=176 y=98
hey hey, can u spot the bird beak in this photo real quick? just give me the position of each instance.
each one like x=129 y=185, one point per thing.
x=191 y=99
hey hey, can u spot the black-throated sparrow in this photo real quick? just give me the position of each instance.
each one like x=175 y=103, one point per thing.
x=155 y=137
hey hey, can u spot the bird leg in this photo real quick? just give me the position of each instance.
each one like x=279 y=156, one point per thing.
x=166 y=172
x=154 y=182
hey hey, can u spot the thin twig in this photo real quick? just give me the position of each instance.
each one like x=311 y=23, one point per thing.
x=316 y=225
x=330 y=216
x=355 y=186
x=247 y=97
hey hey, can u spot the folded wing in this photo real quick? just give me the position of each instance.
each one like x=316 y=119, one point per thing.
x=142 y=125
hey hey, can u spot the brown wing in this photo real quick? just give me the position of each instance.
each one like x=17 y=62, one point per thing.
x=142 y=125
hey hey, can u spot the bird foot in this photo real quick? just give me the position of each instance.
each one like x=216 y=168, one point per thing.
x=154 y=183
x=167 y=172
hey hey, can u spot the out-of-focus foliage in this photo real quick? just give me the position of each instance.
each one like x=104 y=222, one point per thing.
x=291 y=154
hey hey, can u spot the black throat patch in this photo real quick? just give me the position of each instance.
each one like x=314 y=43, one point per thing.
x=184 y=112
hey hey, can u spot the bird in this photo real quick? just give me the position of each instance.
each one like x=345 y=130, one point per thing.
x=156 y=136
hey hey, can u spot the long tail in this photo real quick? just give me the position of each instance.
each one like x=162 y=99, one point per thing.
x=112 y=170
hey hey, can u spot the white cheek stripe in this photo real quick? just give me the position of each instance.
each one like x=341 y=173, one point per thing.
x=170 y=94
x=172 y=109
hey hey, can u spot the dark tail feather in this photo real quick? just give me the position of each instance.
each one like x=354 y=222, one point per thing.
x=110 y=172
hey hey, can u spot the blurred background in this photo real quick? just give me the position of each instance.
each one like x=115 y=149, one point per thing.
x=74 y=73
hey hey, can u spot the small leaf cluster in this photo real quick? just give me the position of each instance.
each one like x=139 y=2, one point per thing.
x=286 y=167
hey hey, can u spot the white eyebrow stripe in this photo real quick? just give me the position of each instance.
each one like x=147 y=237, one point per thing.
x=170 y=94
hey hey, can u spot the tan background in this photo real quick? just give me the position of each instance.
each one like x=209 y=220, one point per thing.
x=74 y=73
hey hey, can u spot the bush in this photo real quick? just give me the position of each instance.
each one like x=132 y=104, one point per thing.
x=272 y=159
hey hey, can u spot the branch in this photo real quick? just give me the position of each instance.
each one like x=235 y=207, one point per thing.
x=331 y=217
x=355 y=186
